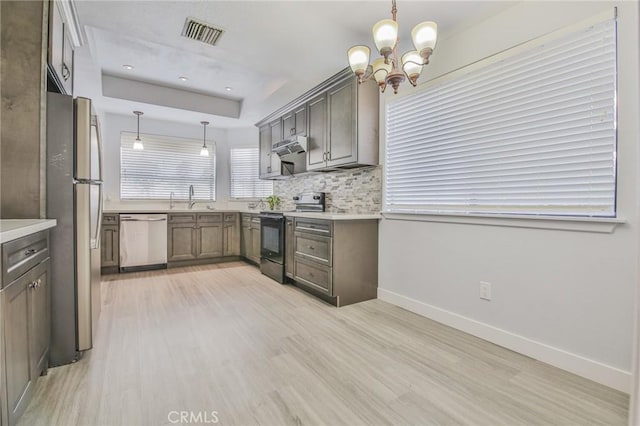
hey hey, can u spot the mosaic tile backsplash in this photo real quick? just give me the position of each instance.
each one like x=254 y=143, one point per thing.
x=349 y=191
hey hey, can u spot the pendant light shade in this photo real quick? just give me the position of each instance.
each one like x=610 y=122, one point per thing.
x=424 y=36
x=137 y=144
x=204 y=151
x=359 y=59
x=385 y=36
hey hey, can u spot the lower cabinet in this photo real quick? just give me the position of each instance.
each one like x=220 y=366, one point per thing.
x=110 y=246
x=209 y=242
x=336 y=260
x=181 y=242
x=288 y=248
x=110 y=243
x=254 y=252
x=202 y=236
x=250 y=237
x=25 y=323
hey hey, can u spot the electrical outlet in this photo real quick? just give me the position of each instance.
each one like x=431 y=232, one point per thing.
x=485 y=290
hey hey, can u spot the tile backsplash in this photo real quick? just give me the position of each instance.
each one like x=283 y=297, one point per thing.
x=349 y=191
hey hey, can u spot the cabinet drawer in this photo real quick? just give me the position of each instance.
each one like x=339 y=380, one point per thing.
x=246 y=219
x=209 y=217
x=317 y=276
x=313 y=247
x=182 y=217
x=18 y=256
x=230 y=217
x=315 y=226
x=110 y=219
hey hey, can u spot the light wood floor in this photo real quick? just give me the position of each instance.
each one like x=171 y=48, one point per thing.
x=225 y=338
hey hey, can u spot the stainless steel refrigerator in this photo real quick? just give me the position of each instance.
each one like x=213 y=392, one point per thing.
x=74 y=198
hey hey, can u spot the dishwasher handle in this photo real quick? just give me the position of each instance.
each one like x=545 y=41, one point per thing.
x=153 y=219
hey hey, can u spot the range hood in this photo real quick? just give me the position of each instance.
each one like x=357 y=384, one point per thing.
x=290 y=147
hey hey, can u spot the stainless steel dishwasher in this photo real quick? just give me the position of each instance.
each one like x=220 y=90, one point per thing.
x=143 y=241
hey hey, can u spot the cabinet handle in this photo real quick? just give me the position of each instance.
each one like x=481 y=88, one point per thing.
x=30 y=252
x=311 y=247
x=65 y=72
x=292 y=131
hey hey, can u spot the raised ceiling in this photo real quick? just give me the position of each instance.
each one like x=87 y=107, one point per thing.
x=270 y=53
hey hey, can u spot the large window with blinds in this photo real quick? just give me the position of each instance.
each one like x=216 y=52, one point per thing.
x=166 y=165
x=244 y=175
x=531 y=131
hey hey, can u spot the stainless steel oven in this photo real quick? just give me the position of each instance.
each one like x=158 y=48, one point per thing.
x=272 y=245
x=272 y=233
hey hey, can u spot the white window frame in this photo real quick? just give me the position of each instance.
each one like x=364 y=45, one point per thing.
x=181 y=189
x=470 y=212
x=256 y=181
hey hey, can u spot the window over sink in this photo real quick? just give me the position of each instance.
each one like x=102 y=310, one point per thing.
x=244 y=175
x=165 y=165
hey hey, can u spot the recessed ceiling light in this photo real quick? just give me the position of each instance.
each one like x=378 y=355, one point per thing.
x=228 y=89
x=128 y=67
x=183 y=78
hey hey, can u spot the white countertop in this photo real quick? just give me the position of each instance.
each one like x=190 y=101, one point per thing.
x=319 y=215
x=12 y=229
x=180 y=210
x=335 y=216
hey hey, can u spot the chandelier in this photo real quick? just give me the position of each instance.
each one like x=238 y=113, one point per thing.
x=386 y=70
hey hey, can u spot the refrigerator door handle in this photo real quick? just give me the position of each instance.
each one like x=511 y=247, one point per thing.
x=99 y=221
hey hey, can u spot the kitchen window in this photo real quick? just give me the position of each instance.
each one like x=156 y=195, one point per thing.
x=531 y=131
x=165 y=165
x=244 y=175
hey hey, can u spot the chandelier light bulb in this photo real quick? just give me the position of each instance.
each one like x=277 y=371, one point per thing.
x=359 y=59
x=385 y=36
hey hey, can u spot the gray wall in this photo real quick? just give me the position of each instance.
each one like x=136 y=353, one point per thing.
x=566 y=297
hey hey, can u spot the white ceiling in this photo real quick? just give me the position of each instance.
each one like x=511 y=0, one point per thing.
x=271 y=51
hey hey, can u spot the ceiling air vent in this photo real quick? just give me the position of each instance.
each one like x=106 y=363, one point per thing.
x=200 y=31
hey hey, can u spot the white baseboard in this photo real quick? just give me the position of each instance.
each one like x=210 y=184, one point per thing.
x=590 y=369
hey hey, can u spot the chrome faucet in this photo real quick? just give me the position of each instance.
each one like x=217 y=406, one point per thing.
x=171 y=206
x=191 y=194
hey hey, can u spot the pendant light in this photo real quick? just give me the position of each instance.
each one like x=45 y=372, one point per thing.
x=137 y=144
x=204 y=151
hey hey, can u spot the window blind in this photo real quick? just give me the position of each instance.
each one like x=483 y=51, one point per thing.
x=244 y=175
x=166 y=165
x=533 y=133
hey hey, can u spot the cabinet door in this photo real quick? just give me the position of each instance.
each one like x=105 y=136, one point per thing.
x=245 y=241
x=317 y=136
x=288 y=124
x=67 y=62
x=15 y=308
x=39 y=318
x=300 y=116
x=265 y=150
x=254 y=253
x=110 y=245
x=181 y=242
x=288 y=248
x=342 y=141
x=231 y=240
x=276 y=136
x=210 y=240
x=56 y=39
